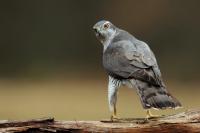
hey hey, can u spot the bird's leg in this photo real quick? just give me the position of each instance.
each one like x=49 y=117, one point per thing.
x=114 y=113
x=113 y=86
x=150 y=115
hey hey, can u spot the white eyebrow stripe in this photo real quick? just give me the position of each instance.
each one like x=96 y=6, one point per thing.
x=107 y=22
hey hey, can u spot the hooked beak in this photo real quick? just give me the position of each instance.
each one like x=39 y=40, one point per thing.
x=98 y=33
x=96 y=30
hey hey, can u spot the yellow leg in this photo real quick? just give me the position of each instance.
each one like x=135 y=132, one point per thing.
x=150 y=115
x=114 y=113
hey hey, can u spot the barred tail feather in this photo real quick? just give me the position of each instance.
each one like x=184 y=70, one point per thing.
x=155 y=96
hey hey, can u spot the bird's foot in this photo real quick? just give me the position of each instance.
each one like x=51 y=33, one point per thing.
x=151 y=116
x=114 y=114
x=114 y=118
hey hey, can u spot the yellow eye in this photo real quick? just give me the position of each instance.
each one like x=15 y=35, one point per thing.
x=106 y=26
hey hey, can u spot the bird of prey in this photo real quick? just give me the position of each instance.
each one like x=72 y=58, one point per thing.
x=129 y=61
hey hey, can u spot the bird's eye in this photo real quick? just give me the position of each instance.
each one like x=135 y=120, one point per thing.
x=106 y=26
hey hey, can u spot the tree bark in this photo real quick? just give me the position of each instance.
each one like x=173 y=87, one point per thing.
x=184 y=122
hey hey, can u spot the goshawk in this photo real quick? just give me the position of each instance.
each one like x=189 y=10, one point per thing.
x=129 y=61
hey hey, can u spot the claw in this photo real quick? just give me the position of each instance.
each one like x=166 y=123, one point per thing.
x=114 y=114
x=150 y=115
x=113 y=118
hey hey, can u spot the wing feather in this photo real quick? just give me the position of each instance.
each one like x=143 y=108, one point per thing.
x=134 y=61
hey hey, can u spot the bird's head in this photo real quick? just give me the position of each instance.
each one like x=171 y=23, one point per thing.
x=104 y=30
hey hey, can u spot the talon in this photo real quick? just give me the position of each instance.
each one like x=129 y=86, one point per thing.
x=150 y=115
x=113 y=117
x=114 y=114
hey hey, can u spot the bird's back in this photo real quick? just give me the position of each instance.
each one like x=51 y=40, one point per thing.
x=114 y=60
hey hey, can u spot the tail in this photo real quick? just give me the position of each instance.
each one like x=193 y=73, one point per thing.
x=154 y=96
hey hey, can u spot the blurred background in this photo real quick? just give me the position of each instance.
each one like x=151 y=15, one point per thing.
x=51 y=64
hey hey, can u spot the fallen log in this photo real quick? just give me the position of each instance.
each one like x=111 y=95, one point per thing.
x=184 y=122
